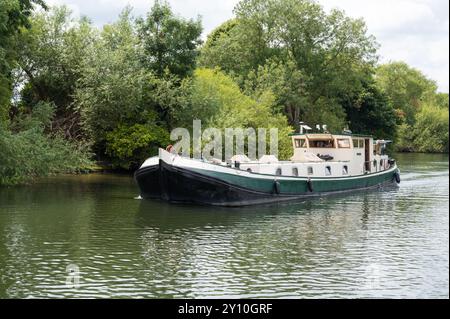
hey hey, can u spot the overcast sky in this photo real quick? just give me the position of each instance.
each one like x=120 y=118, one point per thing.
x=414 y=31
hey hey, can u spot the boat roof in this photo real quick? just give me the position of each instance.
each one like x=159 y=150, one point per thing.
x=315 y=135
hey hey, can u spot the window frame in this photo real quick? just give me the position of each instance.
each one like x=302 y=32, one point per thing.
x=300 y=143
x=343 y=139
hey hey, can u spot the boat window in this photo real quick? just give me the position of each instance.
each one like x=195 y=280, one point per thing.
x=321 y=143
x=249 y=170
x=300 y=143
x=343 y=143
x=345 y=170
x=328 y=170
x=278 y=172
x=381 y=163
x=357 y=143
x=310 y=170
x=295 y=171
x=374 y=163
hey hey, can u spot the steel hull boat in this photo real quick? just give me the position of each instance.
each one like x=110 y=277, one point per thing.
x=183 y=180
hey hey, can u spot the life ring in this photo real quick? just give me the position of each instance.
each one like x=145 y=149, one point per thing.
x=397 y=177
x=310 y=185
x=276 y=187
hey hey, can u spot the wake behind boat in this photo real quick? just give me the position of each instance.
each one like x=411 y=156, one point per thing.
x=322 y=164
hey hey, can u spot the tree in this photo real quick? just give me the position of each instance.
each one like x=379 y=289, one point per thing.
x=28 y=152
x=231 y=49
x=405 y=87
x=169 y=42
x=371 y=113
x=219 y=102
x=430 y=134
x=117 y=97
x=50 y=55
x=328 y=56
x=14 y=15
x=421 y=109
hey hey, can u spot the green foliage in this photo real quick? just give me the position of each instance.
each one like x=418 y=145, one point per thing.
x=111 y=88
x=170 y=42
x=430 y=132
x=225 y=48
x=325 y=47
x=313 y=62
x=14 y=14
x=130 y=146
x=423 y=112
x=28 y=152
x=221 y=104
x=405 y=87
x=117 y=94
x=50 y=55
x=371 y=113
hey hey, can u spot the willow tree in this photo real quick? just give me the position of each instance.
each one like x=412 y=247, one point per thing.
x=333 y=52
x=50 y=55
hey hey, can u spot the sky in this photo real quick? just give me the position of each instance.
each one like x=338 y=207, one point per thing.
x=413 y=31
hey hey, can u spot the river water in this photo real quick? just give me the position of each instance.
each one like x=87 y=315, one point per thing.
x=390 y=243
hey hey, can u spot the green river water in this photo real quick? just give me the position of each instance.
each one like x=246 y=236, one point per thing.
x=390 y=243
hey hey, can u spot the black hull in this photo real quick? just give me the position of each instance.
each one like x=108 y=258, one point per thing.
x=180 y=185
x=184 y=186
x=147 y=179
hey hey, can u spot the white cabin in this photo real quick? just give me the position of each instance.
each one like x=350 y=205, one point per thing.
x=325 y=155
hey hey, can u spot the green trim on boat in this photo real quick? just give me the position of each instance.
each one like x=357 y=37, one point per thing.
x=294 y=186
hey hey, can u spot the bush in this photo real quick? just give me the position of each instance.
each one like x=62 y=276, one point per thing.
x=27 y=152
x=129 y=146
x=430 y=133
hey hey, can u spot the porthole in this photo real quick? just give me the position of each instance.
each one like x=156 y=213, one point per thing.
x=295 y=171
x=310 y=170
x=278 y=172
x=327 y=170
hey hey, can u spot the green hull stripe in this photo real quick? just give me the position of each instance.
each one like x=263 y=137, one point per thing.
x=298 y=186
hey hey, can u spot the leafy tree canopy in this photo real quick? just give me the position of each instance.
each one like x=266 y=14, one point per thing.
x=169 y=42
x=405 y=87
x=14 y=14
